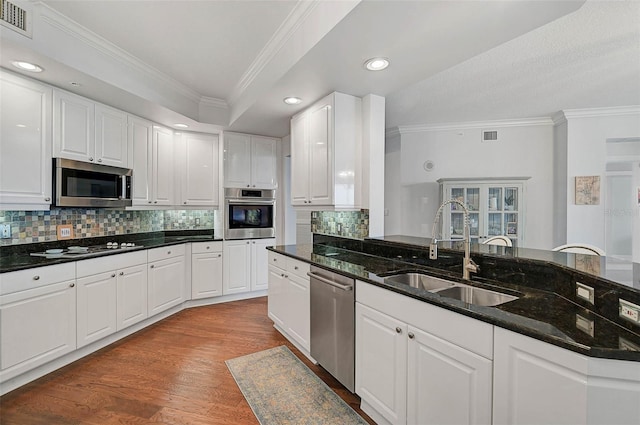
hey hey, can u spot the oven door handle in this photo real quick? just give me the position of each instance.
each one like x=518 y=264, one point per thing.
x=330 y=282
x=243 y=202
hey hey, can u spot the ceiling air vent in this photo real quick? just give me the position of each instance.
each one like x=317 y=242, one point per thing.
x=489 y=135
x=15 y=17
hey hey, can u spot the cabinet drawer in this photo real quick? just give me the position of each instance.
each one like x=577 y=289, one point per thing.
x=277 y=260
x=33 y=278
x=298 y=268
x=204 y=247
x=110 y=262
x=171 y=251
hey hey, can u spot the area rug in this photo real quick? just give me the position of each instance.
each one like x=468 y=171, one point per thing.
x=281 y=390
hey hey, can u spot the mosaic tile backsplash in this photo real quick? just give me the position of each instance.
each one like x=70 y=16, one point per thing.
x=40 y=226
x=350 y=224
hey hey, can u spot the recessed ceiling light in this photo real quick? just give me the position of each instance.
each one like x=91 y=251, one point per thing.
x=292 y=100
x=180 y=125
x=27 y=66
x=376 y=64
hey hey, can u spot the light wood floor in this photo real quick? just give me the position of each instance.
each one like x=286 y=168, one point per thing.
x=172 y=372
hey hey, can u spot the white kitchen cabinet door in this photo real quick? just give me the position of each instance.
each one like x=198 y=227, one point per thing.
x=73 y=127
x=297 y=302
x=132 y=295
x=165 y=284
x=25 y=144
x=36 y=326
x=237 y=160
x=300 y=160
x=97 y=310
x=140 y=137
x=277 y=298
x=260 y=263
x=446 y=384
x=111 y=137
x=206 y=275
x=199 y=175
x=163 y=166
x=237 y=267
x=320 y=156
x=263 y=162
x=536 y=382
x=381 y=363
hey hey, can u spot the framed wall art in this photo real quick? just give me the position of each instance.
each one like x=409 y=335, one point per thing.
x=587 y=190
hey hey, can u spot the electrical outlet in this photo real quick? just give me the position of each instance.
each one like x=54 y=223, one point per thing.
x=197 y=221
x=629 y=311
x=64 y=231
x=585 y=292
x=433 y=251
x=5 y=231
x=584 y=324
x=339 y=228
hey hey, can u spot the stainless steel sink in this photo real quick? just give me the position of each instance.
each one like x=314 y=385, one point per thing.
x=450 y=289
x=420 y=281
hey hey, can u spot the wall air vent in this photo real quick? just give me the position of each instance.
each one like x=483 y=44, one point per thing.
x=15 y=17
x=489 y=135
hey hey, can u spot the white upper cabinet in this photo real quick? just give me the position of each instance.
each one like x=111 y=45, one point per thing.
x=199 y=170
x=84 y=130
x=326 y=141
x=250 y=161
x=163 y=166
x=25 y=143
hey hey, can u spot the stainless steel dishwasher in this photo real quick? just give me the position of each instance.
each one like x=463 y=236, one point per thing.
x=333 y=324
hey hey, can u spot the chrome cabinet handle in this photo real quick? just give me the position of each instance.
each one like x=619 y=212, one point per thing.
x=71 y=285
x=411 y=335
x=219 y=255
x=248 y=185
x=91 y=159
x=47 y=199
x=208 y=247
x=36 y=277
x=121 y=273
x=398 y=330
x=295 y=267
x=113 y=275
x=99 y=159
x=149 y=201
x=152 y=266
x=155 y=202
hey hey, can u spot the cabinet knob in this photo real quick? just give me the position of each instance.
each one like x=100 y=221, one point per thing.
x=253 y=242
x=219 y=255
x=208 y=247
x=71 y=285
x=36 y=277
x=91 y=159
x=151 y=266
x=149 y=201
x=254 y=185
x=168 y=252
x=121 y=273
x=47 y=199
x=155 y=202
x=185 y=202
x=247 y=242
x=99 y=159
x=281 y=274
x=248 y=185
x=295 y=267
x=398 y=330
x=113 y=275
x=411 y=335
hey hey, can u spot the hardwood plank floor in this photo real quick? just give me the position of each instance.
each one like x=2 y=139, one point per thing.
x=172 y=372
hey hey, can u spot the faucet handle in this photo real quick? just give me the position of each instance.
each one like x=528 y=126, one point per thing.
x=472 y=266
x=433 y=250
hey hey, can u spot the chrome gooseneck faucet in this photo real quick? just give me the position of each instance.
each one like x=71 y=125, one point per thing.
x=468 y=265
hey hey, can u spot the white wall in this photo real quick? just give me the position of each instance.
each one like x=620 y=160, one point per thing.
x=588 y=131
x=524 y=149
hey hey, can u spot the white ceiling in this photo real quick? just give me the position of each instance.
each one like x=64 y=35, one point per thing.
x=230 y=63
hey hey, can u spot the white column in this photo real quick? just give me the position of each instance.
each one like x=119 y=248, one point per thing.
x=373 y=122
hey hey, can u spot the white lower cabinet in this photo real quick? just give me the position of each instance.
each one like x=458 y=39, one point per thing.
x=111 y=294
x=166 y=278
x=37 y=317
x=245 y=265
x=288 y=298
x=132 y=296
x=206 y=270
x=96 y=307
x=410 y=369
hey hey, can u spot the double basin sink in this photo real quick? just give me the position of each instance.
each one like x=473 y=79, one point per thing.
x=449 y=289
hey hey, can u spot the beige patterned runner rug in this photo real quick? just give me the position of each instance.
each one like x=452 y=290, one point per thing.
x=281 y=390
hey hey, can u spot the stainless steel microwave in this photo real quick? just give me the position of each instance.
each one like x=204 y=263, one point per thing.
x=81 y=184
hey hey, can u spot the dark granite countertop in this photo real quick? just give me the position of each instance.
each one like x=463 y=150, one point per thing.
x=545 y=310
x=17 y=257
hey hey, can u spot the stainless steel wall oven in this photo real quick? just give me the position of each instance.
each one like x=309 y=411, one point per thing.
x=250 y=213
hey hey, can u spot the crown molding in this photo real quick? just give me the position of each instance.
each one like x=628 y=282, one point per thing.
x=602 y=112
x=214 y=102
x=525 y=122
x=288 y=28
x=93 y=40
